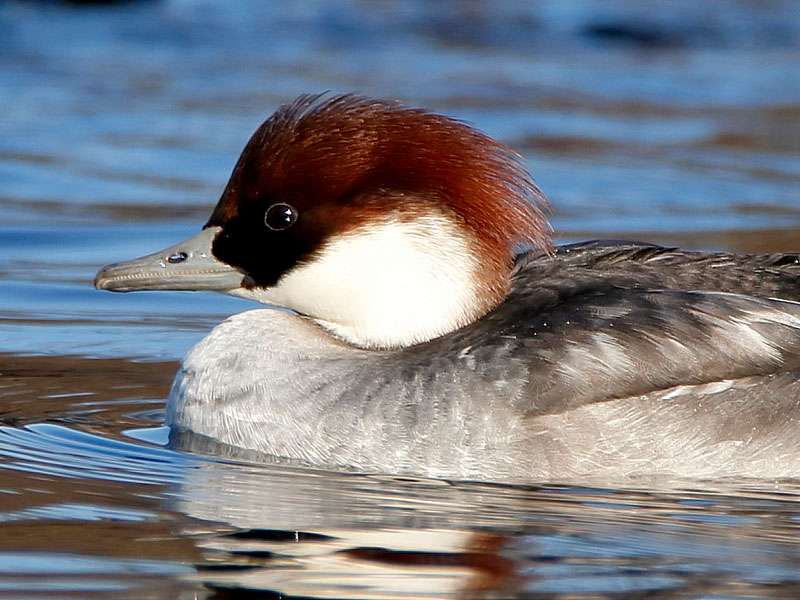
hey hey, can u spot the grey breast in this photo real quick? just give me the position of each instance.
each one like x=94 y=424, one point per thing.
x=608 y=358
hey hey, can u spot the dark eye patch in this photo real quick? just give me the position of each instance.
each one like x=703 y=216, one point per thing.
x=265 y=243
x=280 y=216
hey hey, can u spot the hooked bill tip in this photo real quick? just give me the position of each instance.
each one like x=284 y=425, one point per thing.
x=105 y=280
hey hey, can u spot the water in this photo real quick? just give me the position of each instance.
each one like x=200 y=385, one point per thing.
x=118 y=128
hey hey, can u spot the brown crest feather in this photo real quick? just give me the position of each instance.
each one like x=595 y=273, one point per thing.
x=345 y=149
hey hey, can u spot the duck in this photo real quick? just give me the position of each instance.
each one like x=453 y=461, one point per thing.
x=420 y=320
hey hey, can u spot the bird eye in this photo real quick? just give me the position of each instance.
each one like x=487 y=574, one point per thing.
x=280 y=216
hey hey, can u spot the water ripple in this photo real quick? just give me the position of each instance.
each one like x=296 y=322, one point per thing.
x=56 y=450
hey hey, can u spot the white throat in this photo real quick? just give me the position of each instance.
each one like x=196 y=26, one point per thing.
x=395 y=283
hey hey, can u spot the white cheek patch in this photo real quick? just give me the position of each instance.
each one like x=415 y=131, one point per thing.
x=394 y=283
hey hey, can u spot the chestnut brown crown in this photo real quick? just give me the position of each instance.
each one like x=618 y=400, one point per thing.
x=343 y=160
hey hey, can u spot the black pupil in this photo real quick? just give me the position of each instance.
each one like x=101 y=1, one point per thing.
x=280 y=216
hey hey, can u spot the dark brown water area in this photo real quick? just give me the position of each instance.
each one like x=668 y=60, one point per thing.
x=674 y=123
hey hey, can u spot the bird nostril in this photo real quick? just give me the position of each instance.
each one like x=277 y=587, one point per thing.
x=176 y=258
